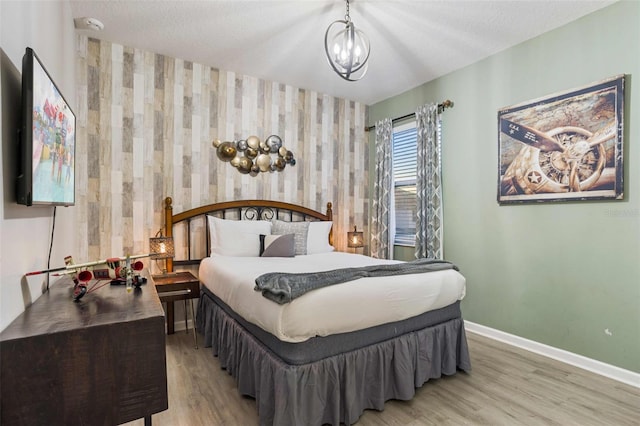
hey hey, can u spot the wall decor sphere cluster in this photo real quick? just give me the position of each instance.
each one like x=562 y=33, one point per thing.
x=252 y=156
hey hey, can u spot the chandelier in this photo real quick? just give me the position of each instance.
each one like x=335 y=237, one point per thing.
x=347 y=48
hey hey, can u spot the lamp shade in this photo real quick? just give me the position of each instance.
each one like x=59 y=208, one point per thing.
x=355 y=239
x=161 y=247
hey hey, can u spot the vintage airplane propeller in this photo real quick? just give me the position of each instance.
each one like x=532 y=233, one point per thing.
x=563 y=159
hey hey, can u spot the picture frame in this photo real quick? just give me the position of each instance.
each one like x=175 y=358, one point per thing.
x=563 y=147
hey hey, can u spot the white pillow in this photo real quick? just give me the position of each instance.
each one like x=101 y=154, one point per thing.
x=318 y=237
x=237 y=237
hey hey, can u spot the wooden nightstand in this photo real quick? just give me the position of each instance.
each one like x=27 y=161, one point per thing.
x=178 y=286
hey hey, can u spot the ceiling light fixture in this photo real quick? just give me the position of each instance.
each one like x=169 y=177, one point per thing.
x=347 y=49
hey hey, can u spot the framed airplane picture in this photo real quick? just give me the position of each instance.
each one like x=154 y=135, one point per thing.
x=563 y=147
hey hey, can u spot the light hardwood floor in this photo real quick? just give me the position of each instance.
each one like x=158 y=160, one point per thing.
x=507 y=386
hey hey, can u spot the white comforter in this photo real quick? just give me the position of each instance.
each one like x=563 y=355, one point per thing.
x=351 y=306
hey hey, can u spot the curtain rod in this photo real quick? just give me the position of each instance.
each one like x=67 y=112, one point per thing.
x=441 y=107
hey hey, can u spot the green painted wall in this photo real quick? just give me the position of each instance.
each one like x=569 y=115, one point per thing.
x=558 y=273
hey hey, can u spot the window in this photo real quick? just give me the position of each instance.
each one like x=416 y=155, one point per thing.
x=404 y=182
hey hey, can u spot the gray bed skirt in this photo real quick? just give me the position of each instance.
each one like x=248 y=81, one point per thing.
x=336 y=389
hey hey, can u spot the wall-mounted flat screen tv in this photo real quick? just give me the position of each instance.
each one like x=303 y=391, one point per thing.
x=46 y=168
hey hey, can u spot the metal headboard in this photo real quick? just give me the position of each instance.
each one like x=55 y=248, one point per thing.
x=239 y=210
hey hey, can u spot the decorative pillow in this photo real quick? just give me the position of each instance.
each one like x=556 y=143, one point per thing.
x=277 y=245
x=236 y=237
x=300 y=229
x=318 y=237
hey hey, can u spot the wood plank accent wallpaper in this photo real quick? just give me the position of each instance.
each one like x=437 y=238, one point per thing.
x=145 y=127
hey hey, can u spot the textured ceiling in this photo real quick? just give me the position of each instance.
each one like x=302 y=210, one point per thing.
x=412 y=42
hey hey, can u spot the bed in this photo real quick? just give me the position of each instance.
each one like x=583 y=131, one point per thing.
x=333 y=352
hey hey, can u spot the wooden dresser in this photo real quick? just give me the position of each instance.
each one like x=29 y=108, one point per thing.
x=100 y=361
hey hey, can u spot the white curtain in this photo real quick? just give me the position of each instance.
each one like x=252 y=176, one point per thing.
x=382 y=212
x=429 y=183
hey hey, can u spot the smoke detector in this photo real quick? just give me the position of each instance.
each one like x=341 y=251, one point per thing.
x=85 y=23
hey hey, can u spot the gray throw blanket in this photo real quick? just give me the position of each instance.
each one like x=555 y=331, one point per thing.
x=282 y=287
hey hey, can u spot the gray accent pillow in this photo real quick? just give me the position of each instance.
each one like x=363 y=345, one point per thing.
x=277 y=245
x=299 y=229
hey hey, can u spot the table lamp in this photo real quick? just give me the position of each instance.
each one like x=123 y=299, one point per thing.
x=161 y=247
x=355 y=239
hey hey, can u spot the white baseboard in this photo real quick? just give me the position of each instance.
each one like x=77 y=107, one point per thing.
x=616 y=373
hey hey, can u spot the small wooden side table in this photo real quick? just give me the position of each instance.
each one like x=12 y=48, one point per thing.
x=178 y=286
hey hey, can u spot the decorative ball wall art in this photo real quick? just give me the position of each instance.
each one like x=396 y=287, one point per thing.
x=252 y=156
